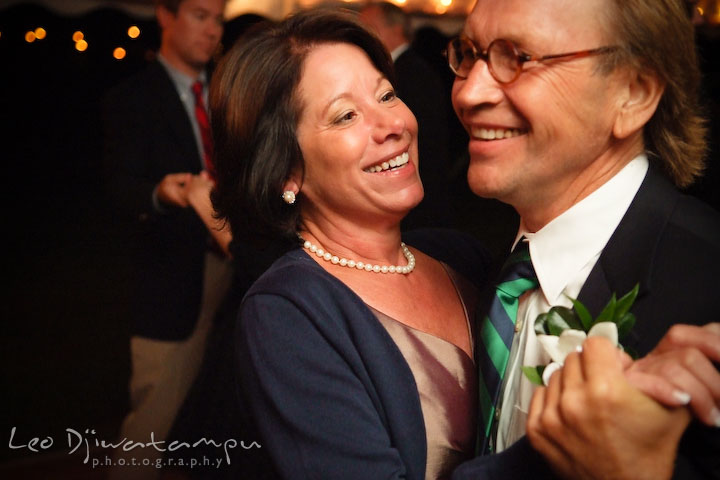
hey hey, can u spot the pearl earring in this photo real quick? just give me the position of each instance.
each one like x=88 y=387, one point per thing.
x=289 y=197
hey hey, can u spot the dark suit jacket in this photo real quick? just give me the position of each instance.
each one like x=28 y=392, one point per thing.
x=422 y=89
x=670 y=244
x=147 y=135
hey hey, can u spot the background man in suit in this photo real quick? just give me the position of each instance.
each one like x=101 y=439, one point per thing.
x=155 y=146
x=586 y=146
x=422 y=89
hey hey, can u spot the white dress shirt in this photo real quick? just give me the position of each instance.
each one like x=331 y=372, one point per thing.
x=399 y=50
x=563 y=253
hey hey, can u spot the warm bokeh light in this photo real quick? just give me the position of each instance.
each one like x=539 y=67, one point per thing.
x=77 y=36
x=81 y=45
x=445 y=3
x=133 y=32
x=119 y=53
x=30 y=37
x=40 y=33
x=278 y=9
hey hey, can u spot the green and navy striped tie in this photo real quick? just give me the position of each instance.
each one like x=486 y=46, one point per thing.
x=496 y=334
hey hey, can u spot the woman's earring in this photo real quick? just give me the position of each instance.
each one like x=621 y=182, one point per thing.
x=289 y=197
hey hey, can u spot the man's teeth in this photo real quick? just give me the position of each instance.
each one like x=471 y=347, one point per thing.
x=494 y=133
x=398 y=161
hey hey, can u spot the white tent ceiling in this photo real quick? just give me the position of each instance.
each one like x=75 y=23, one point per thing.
x=271 y=8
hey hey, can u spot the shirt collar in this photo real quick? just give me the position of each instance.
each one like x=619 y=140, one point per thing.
x=182 y=82
x=399 y=51
x=561 y=249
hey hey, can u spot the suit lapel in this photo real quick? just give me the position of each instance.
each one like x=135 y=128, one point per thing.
x=628 y=256
x=173 y=112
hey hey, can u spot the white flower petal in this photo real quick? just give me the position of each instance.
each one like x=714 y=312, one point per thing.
x=550 y=345
x=549 y=370
x=605 y=329
x=569 y=341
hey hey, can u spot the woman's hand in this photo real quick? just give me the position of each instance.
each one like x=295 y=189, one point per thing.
x=590 y=422
x=198 y=190
x=680 y=371
x=198 y=194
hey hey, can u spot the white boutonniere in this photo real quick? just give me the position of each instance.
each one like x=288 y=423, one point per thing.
x=562 y=330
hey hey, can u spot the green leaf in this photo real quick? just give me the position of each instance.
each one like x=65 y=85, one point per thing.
x=558 y=320
x=624 y=304
x=608 y=313
x=534 y=374
x=625 y=324
x=571 y=317
x=541 y=322
x=583 y=314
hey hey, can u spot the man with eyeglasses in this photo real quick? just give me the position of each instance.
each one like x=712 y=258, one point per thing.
x=584 y=116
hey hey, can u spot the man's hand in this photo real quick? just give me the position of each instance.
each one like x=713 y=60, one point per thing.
x=680 y=370
x=591 y=423
x=172 y=189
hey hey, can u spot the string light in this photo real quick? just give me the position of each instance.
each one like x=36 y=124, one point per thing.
x=133 y=32
x=77 y=36
x=40 y=33
x=81 y=45
x=119 y=53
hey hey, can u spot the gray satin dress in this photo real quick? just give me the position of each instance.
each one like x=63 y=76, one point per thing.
x=446 y=379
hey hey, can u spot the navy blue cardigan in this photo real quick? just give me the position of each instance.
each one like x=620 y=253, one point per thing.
x=330 y=392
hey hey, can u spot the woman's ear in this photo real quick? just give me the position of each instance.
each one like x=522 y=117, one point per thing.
x=293 y=183
x=643 y=93
x=291 y=188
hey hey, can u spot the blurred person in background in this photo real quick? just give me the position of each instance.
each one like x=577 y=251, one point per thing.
x=156 y=138
x=421 y=88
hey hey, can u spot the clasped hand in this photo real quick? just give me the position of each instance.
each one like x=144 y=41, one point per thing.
x=604 y=416
x=179 y=189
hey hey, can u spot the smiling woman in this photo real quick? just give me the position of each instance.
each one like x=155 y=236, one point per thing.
x=360 y=116
x=354 y=350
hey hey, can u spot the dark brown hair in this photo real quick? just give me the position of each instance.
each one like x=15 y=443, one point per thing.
x=254 y=114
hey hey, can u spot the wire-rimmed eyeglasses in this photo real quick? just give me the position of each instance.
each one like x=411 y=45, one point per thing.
x=503 y=58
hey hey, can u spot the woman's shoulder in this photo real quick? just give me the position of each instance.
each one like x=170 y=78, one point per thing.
x=298 y=296
x=461 y=251
x=293 y=272
x=299 y=280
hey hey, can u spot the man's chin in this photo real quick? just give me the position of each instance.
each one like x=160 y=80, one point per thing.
x=483 y=185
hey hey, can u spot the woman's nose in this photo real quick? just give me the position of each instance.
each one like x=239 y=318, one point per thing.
x=389 y=122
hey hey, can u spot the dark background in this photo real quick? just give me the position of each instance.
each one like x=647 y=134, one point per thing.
x=64 y=358
x=64 y=347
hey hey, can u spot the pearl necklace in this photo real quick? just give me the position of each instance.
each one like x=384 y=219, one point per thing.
x=368 y=267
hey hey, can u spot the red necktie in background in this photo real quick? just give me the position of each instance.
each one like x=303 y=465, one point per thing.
x=204 y=124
